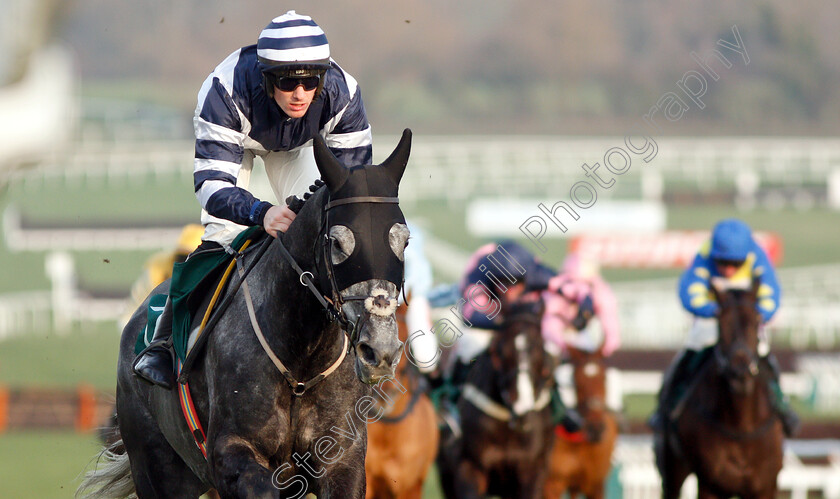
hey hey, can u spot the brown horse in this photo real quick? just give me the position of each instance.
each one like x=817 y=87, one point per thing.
x=402 y=444
x=505 y=415
x=581 y=462
x=725 y=431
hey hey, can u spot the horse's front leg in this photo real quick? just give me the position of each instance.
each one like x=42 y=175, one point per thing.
x=704 y=492
x=237 y=472
x=531 y=484
x=470 y=480
x=344 y=481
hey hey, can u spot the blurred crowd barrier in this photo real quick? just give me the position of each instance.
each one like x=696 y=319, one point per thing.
x=752 y=172
x=810 y=467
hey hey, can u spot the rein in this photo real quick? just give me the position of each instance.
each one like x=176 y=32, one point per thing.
x=335 y=312
x=217 y=314
x=494 y=409
x=306 y=278
x=298 y=387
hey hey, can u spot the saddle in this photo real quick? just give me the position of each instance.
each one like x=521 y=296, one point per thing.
x=688 y=382
x=204 y=274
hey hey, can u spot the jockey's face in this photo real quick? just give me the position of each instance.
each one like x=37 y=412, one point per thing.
x=727 y=268
x=514 y=292
x=296 y=102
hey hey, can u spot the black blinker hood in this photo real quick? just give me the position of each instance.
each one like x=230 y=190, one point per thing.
x=372 y=256
x=365 y=200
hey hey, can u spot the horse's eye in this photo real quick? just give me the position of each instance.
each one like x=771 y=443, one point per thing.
x=342 y=243
x=398 y=239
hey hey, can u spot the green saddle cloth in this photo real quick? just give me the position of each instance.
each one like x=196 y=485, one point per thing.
x=691 y=368
x=197 y=273
x=153 y=311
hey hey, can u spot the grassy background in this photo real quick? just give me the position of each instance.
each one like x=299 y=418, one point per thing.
x=168 y=199
x=46 y=359
x=44 y=465
x=49 y=464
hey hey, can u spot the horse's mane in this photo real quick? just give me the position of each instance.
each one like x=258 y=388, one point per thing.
x=296 y=204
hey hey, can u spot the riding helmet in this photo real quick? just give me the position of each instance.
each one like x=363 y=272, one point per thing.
x=731 y=240
x=293 y=45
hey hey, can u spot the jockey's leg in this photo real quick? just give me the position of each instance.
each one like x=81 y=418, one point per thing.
x=567 y=417
x=672 y=381
x=790 y=420
x=156 y=364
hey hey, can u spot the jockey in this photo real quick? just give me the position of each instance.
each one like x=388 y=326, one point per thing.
x=573 y=297
x=504 y=271
x=265 y=100
x=734 y=258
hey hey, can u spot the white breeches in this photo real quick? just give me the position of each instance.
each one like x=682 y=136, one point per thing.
x=288 y=173
x=704 y=333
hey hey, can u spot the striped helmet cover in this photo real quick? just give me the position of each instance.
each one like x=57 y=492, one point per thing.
x=293 y=39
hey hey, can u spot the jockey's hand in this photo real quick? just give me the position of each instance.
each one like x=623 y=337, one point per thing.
x=277 y=219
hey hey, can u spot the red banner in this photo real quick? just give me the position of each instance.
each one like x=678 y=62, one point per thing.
x=663 y=250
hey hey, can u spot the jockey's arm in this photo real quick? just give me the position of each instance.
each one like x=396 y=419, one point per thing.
x=219 y=154
x=694 y=288
x=347 y=132
x=606 y=309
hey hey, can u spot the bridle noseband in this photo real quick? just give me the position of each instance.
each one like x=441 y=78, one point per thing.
x=334 y=303
x=333 y=307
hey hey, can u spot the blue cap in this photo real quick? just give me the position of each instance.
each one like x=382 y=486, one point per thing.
x=512 y=258
x=731 y=240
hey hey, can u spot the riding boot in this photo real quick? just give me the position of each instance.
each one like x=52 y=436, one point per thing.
x=156 y=364
x=790 y=420
x=568 y=418
x=672 y=380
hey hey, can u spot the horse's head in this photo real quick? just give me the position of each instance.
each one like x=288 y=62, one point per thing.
x=521 y=365
x=590 y=378
x=361 y=253
x=736 y=352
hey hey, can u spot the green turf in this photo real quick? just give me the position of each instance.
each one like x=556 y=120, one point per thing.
x=44 y=465
x=46 y=359
x=141 y=199
x=807 y=236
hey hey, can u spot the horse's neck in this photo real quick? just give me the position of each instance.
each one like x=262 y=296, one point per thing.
x=483 y=376
x=742 y=411
x=587 y=393
x=303 y=337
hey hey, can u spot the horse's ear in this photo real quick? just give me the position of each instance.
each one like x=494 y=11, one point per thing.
x=398 y=160
x=332 y=170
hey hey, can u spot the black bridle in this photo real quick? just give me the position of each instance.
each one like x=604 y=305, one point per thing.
x=334 y=304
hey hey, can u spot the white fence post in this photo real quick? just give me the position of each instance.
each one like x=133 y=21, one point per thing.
x=60 y=269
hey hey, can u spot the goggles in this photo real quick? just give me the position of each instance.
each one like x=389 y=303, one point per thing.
x=729 y=263
x=288 y=84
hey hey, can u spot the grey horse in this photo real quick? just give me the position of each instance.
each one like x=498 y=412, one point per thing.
x=284 y=415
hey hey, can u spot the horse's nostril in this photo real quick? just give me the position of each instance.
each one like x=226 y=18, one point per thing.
x=367 y=354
